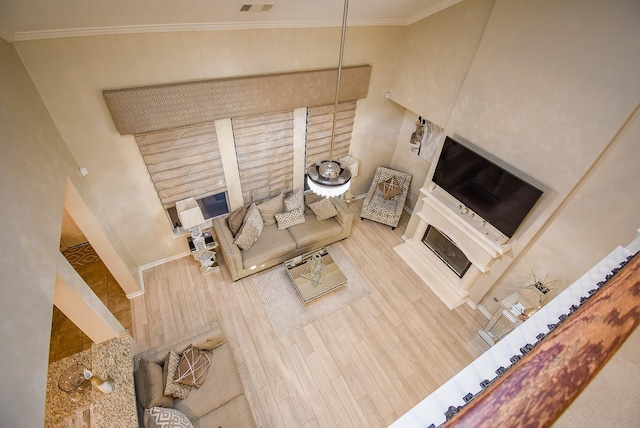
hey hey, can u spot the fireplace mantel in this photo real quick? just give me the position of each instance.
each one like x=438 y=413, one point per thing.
x=481 y=243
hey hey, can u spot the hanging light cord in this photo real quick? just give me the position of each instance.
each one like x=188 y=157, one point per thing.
x=335 y=106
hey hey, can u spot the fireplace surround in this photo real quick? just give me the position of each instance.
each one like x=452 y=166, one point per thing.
x=475 y=239
x=447 y=250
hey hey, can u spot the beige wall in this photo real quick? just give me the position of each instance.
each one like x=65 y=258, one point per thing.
x=551 y=85
x=434 y=60
x=71 y=73
x=34 y=167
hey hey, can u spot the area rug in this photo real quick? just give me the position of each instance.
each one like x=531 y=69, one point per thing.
x=284 y=306
x=80 y=255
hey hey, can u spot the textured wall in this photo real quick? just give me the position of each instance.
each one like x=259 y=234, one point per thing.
x=71 y=74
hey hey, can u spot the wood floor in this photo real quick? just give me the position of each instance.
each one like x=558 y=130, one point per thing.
x=363 y=366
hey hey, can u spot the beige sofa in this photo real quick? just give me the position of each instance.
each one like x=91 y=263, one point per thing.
x=275 y=246
x=219 y=402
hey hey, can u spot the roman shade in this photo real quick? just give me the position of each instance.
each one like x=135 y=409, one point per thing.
x=319 y=122
x=183 y=162
x=264 y=150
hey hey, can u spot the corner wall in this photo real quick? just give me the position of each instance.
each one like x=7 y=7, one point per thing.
x=34 y=168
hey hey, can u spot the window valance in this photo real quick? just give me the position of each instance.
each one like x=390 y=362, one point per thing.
x=146 y=109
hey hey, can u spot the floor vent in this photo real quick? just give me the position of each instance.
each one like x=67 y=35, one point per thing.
x=256 y=7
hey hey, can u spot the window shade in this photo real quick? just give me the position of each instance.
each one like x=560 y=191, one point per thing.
x=183 y=162
x=319 y=122
x=264 y=150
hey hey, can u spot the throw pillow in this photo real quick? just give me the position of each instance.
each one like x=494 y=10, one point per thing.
x=193 y=367
x=250 y=230
x=150 y=385
x=175 y=389
x=389 y=188
x=235 y=219
x=290 y=218
x=270 y=207
x=323 y=209
x=161 y=417
x=295 y=201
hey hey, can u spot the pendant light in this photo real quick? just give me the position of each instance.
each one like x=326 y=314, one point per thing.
x=329 y=178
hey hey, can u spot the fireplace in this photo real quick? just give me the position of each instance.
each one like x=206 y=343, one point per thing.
x=446 y=250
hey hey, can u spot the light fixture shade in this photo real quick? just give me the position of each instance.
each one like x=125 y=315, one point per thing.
x=189 y=213
x=328 y=191
x=328 y=179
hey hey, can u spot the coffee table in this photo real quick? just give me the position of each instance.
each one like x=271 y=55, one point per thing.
x=308 y=289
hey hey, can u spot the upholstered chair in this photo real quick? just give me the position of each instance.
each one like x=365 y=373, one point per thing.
x=386 y=197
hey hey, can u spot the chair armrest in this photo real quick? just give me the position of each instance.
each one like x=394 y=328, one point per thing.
x=344 y=217
x=230 y=251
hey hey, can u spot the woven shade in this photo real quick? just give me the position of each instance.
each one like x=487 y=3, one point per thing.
x=319 y=122
x=264 y=149
x=183 y=162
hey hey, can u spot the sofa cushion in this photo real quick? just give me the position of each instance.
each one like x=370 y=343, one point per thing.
x=192 y=367
x=161 y=417
x=149 y=384
x=290 y=218
x=270 y=207
x=294 y=201
x=314 y=230
x=175 y=389
x=236 y=219
x=324 y=209
x=273 y=243
x=251 y=229
x=235 y=413
x=221 y=385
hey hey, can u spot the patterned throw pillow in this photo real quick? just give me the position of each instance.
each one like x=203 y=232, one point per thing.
x=389 y=188
x=250 y=230
x=177 y=390
x=270 y=207
x=290 y=218
x=193 y=367
x=161 y=417
x=293 y=202
x=324 y=209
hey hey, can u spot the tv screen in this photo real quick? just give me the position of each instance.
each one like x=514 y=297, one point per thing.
x=496 y=195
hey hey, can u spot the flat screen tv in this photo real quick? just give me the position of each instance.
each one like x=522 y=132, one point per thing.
x=496 y=195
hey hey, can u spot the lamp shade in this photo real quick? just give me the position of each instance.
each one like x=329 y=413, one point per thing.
x=189 y=213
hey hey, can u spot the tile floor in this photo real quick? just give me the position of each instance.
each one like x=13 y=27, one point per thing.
x=66 y=338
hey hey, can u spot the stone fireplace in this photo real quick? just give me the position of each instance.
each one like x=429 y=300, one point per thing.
x=469 y=246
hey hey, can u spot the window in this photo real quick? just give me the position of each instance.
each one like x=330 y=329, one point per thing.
x=211 y=206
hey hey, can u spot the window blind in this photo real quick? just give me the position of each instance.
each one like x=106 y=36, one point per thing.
x=319 y=122
x=183 y=162
x=264 y=151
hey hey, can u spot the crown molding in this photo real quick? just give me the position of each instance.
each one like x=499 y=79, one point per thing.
x=170 y=28
x=437 y=7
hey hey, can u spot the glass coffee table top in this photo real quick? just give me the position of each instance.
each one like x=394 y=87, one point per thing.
x=310 y=287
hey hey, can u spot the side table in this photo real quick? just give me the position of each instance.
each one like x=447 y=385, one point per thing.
x=203 y=250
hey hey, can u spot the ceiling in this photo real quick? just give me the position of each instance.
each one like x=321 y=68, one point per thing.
x=38 y=19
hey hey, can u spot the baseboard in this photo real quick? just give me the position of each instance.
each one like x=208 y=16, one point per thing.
x=482 y=310
x=149 y=266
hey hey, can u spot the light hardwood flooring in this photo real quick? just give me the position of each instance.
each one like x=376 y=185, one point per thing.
x=363 y=366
